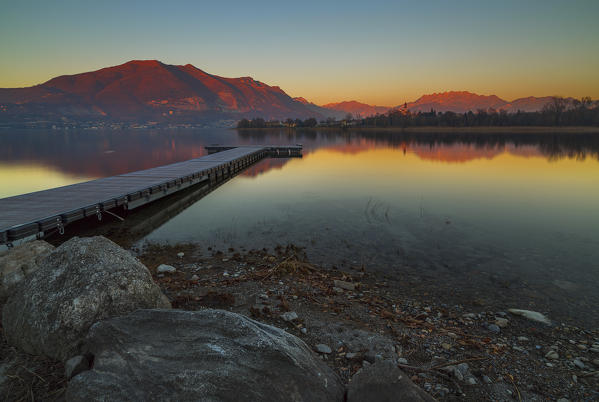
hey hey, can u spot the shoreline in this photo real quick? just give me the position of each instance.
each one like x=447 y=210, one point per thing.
x=349 y=310
x=358 y=318
x=448 y=129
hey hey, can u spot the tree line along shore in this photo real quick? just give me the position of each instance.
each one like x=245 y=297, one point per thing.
x=559 y=112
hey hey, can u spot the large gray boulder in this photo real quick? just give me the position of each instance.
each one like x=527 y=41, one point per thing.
x=83 y=281
x=19 y=263
x=383 y=381
x=205 y=355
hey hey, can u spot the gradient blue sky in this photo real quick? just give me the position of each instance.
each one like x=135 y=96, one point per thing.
x=377 y=52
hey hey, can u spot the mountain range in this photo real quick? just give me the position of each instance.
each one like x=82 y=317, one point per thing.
x=149 y=90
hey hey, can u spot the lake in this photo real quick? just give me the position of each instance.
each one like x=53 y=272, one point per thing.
x=504 y=220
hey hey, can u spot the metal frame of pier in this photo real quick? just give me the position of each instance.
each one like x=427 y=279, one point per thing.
x=48 y=210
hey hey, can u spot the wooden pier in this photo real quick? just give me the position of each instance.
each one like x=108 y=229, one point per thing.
x=43 y=211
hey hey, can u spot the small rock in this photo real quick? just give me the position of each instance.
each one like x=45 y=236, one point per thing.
x=446 y=346
x=163 y=268
x=549 y=364
x=337 y=290
x=452 y=335
x=594 y=349
x=563 y=400
x=180 y=255
x=351 y=355
x=494 y=328
x=225 y=260
x=531 y=315
x=522 y=339
x=487 y=379
x=469 y=315
x=304 y=331
x=344 y=285
x=471 y=381
x=263 y=296
x=289 y=316
x=402 y=360
x=552 y=354
x=195 y=277
x=581 y=347
x=596 y=362
x=578 y=364
x=75 y=365
x=501 y=322
x=463 y=368
x=322 y=348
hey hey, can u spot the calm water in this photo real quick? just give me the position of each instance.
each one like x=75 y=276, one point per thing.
x=502 y=220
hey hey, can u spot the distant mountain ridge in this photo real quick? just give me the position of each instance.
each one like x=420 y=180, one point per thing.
x=451 y=101
x=148 y=89
x=357 y=108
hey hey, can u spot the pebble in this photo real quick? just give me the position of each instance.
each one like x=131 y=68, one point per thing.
x=531 y=315
x=501 y=322
x=322 y=348
x=289 y=316
x=225 y=260
x=195 y=277
x=581 y=347
x=337 y=290
x=563 y=400
x=452 y=335
x=180 y=255
x=552 y=354
x=578 y=364
x=446 y=346
x=549 y=364
x=487 y=379
x=263 y=296
x=596 y=362
x=494 y=328
x=402 y=360
x=162 y=268
x=522 y=339
x=594 y=349
x=344 y=285
x=469 y=315
x=351 y=355
x=471 y=381
x=304 y=331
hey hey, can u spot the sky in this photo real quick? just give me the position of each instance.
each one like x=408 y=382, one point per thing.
x=382 y=53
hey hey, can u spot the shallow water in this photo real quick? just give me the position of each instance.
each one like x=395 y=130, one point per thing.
x=512 y=220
